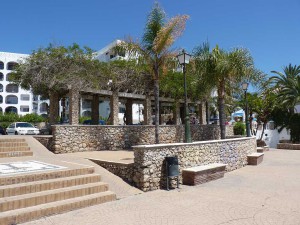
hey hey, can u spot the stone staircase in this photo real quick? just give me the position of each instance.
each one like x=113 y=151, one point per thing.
x=14 y=147
x=29 y=196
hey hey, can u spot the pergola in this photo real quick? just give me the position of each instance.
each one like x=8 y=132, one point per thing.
x=115 y=97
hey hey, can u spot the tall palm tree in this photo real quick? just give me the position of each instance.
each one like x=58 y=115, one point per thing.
x=287 y=86
x=154 y=50
x=224 y=70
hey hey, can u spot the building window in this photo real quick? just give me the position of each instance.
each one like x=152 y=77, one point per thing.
x=11 y=99
x=1 y=99
x=25 y=97
x=86 y=104
x=35 y=107
x=87 y=113
x=35 y=98
x=1 y=65
x=12 y=88
x=11 y=109
x=1 y=88
x=8 y=77
x=11 y=65
x=1 y=76
x=44 y=107
x=24 y=108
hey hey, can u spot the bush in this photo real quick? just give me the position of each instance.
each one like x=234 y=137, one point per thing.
x=295 y=128
x=8 y=118
x=239 y=128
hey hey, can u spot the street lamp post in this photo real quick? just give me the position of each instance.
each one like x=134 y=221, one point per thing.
x=184 y=59
x=245 y=88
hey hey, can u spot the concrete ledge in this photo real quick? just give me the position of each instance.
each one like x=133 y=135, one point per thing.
x=255 y=158
x=156 y=146
x=202 y=174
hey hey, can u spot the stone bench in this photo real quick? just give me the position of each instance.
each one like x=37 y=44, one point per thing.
x=202 y=174
x=255 y=158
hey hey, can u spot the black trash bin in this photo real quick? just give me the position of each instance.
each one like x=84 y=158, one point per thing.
x=172 y=169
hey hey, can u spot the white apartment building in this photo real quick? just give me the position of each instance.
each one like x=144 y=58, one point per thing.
x=12 y=97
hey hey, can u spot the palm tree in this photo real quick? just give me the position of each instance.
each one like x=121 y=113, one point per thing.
x=225 y=70
x=154 y=50
x=287 y=86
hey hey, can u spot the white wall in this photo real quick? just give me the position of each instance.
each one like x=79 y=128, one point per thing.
x=272 y=137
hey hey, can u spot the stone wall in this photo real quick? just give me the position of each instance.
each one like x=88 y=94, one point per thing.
x=123 y=170
x=46 y=140
x=149 y=160
x=68 y=138
x=288 y=146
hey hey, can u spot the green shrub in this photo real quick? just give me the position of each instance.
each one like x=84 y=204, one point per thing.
x=83 y=118
x=32 y=118
x=295 y=128
x=239 y=128
x=8 y=118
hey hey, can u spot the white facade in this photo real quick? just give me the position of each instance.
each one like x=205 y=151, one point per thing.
x=12 y=97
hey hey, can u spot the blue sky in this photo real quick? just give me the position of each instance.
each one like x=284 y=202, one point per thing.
x=268 y=28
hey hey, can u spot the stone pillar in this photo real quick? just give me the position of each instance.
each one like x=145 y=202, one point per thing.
x=202 y=113
x=114 y=108
x=147 y=111
x=54 y=108
x=176 y=113
x=128 y=111
x=95 y=109
x=74 y=107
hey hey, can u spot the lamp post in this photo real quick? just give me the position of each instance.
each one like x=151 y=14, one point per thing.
x=184 y=59
x=245 y=88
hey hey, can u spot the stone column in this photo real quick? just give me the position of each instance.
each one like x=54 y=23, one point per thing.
x=147 y=111
x=202 y=113
x=128 y=111
x=54 y=108
x=114 y=108
x=176 y=113
x=95 y=109
x=74 y=107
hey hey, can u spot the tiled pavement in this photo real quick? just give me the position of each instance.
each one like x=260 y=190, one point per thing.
x=264 y=194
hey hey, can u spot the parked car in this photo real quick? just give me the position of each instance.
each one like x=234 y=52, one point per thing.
x=21 y=128
x=89 y=122
x=2 y=131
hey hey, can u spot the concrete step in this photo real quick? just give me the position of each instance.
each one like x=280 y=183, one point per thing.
x=45 y=175
x=15 y=154
x=13 y=144
x=44 y=185
x=18 y=149
x=38 y=198
x=12 y=140
x=35 y=212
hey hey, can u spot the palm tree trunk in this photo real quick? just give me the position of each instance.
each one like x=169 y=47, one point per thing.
x=263 y=130
x=207 y=112
x=156 y=100
x=221 y=106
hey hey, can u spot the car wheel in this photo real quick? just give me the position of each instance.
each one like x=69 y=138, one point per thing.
x=16 y=132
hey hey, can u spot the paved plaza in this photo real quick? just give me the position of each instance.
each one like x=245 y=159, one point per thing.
x=264 y=194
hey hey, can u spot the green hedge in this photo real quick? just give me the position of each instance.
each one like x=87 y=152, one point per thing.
x=239 y=128
x=8 y=118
